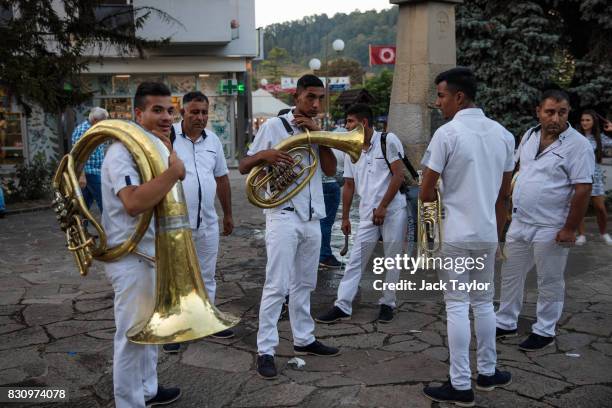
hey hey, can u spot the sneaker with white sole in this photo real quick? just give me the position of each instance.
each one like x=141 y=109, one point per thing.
x=490 y=382
x=580 y=240
x=164 y=396
x=607 y=238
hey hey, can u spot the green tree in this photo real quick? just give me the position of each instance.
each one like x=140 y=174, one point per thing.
x=44 y=50
x=271 y=67
x=379 y=87
x=346 y=67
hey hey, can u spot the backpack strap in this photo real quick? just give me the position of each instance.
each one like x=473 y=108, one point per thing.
x=286 y=124
x=383 y=144
x=172 y=135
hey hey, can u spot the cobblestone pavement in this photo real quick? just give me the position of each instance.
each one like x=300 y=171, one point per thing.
x=57 y=328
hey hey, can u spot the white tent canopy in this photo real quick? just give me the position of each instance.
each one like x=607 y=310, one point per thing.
x=266 y=105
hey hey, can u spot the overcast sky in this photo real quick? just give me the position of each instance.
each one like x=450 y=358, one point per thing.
x=277 y=11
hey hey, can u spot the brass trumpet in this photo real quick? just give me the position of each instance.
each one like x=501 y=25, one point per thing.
x=182 y=309
x=269 y=186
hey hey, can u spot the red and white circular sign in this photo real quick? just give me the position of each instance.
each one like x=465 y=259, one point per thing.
x=386 y=55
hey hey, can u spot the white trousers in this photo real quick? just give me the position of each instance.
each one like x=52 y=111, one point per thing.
x=292 y=246
x=393 y=232
x=528 y=245
x=457 y=315
x=134 y=365
x=206 y=240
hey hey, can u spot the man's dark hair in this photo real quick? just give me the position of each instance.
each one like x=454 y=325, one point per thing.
x=308 y=80
x=459 y=79
x=361 y=111
x=194 y=96
x=149 y=89
x=554 y=91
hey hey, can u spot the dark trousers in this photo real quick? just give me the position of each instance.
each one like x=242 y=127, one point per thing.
x=331 y=195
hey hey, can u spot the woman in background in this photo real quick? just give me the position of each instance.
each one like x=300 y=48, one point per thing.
x=589 y=127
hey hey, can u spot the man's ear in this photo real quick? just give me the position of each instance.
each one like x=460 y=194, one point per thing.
x=138 y=115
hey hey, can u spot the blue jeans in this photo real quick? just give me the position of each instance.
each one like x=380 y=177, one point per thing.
x=331 y=196
x=2 y=208
x=93 y=191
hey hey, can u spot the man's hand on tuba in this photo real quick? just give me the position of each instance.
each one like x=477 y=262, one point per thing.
x=305 y=122
x=276 y=157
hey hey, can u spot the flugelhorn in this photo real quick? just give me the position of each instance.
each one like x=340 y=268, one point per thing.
x=182 y=309
x=270 y=186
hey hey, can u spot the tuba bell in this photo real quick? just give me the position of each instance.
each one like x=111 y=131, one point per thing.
x=429 y=225
x=270 y=186
x=182 y=309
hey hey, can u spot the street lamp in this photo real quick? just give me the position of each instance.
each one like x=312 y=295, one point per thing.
x=263 y=82
x=314 y=64
x=338 y=46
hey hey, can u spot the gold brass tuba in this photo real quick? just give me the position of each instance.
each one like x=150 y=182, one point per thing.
x=429 y=225
x=269 y=186
x=182 y=309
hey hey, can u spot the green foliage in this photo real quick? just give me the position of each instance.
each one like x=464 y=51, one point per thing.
x=306 y=38
x=43 y=49
x=271 y=67
x=32 y=181
x=380 y=88
x=346 y=67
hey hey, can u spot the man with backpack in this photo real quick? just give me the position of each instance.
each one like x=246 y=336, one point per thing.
x=382 y=211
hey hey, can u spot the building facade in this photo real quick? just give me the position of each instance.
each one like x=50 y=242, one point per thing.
x=211 y=45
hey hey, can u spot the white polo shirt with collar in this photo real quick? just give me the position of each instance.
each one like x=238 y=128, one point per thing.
x=204 y=160
x=471 y=152
x=308 y=203
x=372 y=175
x=545 y=185
x=119 y=171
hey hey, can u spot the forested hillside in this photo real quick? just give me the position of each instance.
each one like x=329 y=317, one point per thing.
x=305 y=38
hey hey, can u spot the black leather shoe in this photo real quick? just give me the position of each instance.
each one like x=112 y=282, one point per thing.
x=505 y=334
x=316 y=348
x=266 y=367
x=490 y=382
x=164 y=396
x=223 y=334
x=171 y=348
x=334 y=315
x=447 y=393
x=386 y=314
x=536 y=342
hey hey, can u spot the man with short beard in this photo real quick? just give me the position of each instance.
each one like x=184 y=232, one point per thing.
x=206 y=176
x=550 y=199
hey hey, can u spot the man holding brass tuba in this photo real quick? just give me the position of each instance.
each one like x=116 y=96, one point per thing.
x=133 y=276
x=473 y=156
x=382 y=211
x=293 y=233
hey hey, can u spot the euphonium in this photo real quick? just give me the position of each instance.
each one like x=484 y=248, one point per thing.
x=429 y=225
x=182 y=309
x=271 y=186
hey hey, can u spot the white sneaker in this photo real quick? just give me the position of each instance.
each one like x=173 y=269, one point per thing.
x=606 y=237
x=580 y=240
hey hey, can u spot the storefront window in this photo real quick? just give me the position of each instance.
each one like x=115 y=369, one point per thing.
x=138 y=79
x=11 y=138
x=181 y=84
x=121 y=84
x=118 y=108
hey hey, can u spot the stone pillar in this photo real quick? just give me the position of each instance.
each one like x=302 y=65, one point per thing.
x=425 y=47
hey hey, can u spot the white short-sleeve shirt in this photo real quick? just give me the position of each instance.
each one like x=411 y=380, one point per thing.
x=471 y=153
x=372 y=176
x=119 y=171
x=204 y=160
x=308 y=203
x=545 y=184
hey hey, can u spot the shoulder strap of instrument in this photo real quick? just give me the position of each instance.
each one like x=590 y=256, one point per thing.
x=172 y=135
x=286 y=124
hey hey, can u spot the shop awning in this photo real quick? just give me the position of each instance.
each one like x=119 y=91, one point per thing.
x=266 y=105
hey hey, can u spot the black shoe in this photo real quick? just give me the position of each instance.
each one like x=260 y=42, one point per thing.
x=386 y=314
x=223 y=334
x=505 y=334
x=330 y=262
x=536 y=342
x=171 y=348
x=266 y=367
x=446 y=393
x=334 y=315
x=164 y=396
x=490 y=382
x=316 y=348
